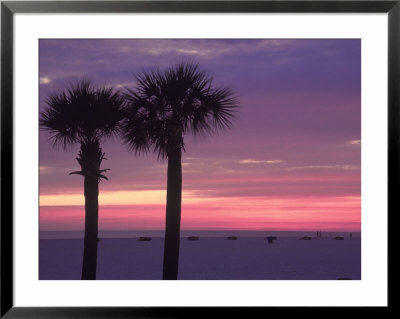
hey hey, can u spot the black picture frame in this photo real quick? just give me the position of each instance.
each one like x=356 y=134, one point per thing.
x=9 y=8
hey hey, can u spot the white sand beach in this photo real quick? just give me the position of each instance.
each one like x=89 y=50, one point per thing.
x=209 y=258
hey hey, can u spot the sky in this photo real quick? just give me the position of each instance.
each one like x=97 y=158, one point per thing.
x=291 y=161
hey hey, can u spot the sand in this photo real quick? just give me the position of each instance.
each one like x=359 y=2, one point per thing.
x=209 y=258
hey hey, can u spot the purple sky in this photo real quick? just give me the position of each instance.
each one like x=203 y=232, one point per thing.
x=297 y=133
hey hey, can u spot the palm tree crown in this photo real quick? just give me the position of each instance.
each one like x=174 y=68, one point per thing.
x=166 y=105
x=82 y=113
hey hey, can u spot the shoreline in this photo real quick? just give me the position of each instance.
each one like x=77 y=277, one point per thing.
x=199 y=233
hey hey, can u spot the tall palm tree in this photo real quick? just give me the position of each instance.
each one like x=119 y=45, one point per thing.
x=84 y=115
x=163 y=108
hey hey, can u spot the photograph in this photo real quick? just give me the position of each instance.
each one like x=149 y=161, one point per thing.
x=199 y=159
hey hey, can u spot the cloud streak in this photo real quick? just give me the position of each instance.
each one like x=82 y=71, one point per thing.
x=324 y=167
x=253 y=161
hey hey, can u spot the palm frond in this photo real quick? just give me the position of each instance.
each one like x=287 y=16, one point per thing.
x=81 y=112
x=166 y=105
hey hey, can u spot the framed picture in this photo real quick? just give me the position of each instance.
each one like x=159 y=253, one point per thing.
x=176 y=158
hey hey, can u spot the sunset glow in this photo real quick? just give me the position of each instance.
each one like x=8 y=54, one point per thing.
x=292 y=160
x=219 y=213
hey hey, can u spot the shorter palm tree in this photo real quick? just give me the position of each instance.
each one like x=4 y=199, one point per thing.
x=163 y=108
x=84 y=115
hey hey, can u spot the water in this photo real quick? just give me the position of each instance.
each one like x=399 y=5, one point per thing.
x=199 y=233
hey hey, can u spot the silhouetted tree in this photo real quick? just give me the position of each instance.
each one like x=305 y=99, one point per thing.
x=84 y=115
x=162 y=108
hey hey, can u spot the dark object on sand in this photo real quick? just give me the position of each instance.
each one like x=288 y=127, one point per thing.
x=231 y=238
x=193 y=238
x=271 y=239
x=338 y=238
x=306 y=238
x=344 y=278
x=144 y=239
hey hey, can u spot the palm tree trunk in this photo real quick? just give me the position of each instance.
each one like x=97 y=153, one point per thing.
x=90 y=158
x=91 y=189
x=173 y=214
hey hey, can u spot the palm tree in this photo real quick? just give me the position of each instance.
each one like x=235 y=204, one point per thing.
x=161 y=110
x=84 y=115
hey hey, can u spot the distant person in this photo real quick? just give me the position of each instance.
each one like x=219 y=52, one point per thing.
x=351 y=235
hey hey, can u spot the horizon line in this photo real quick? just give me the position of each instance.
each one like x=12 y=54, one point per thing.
x=227 y=229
